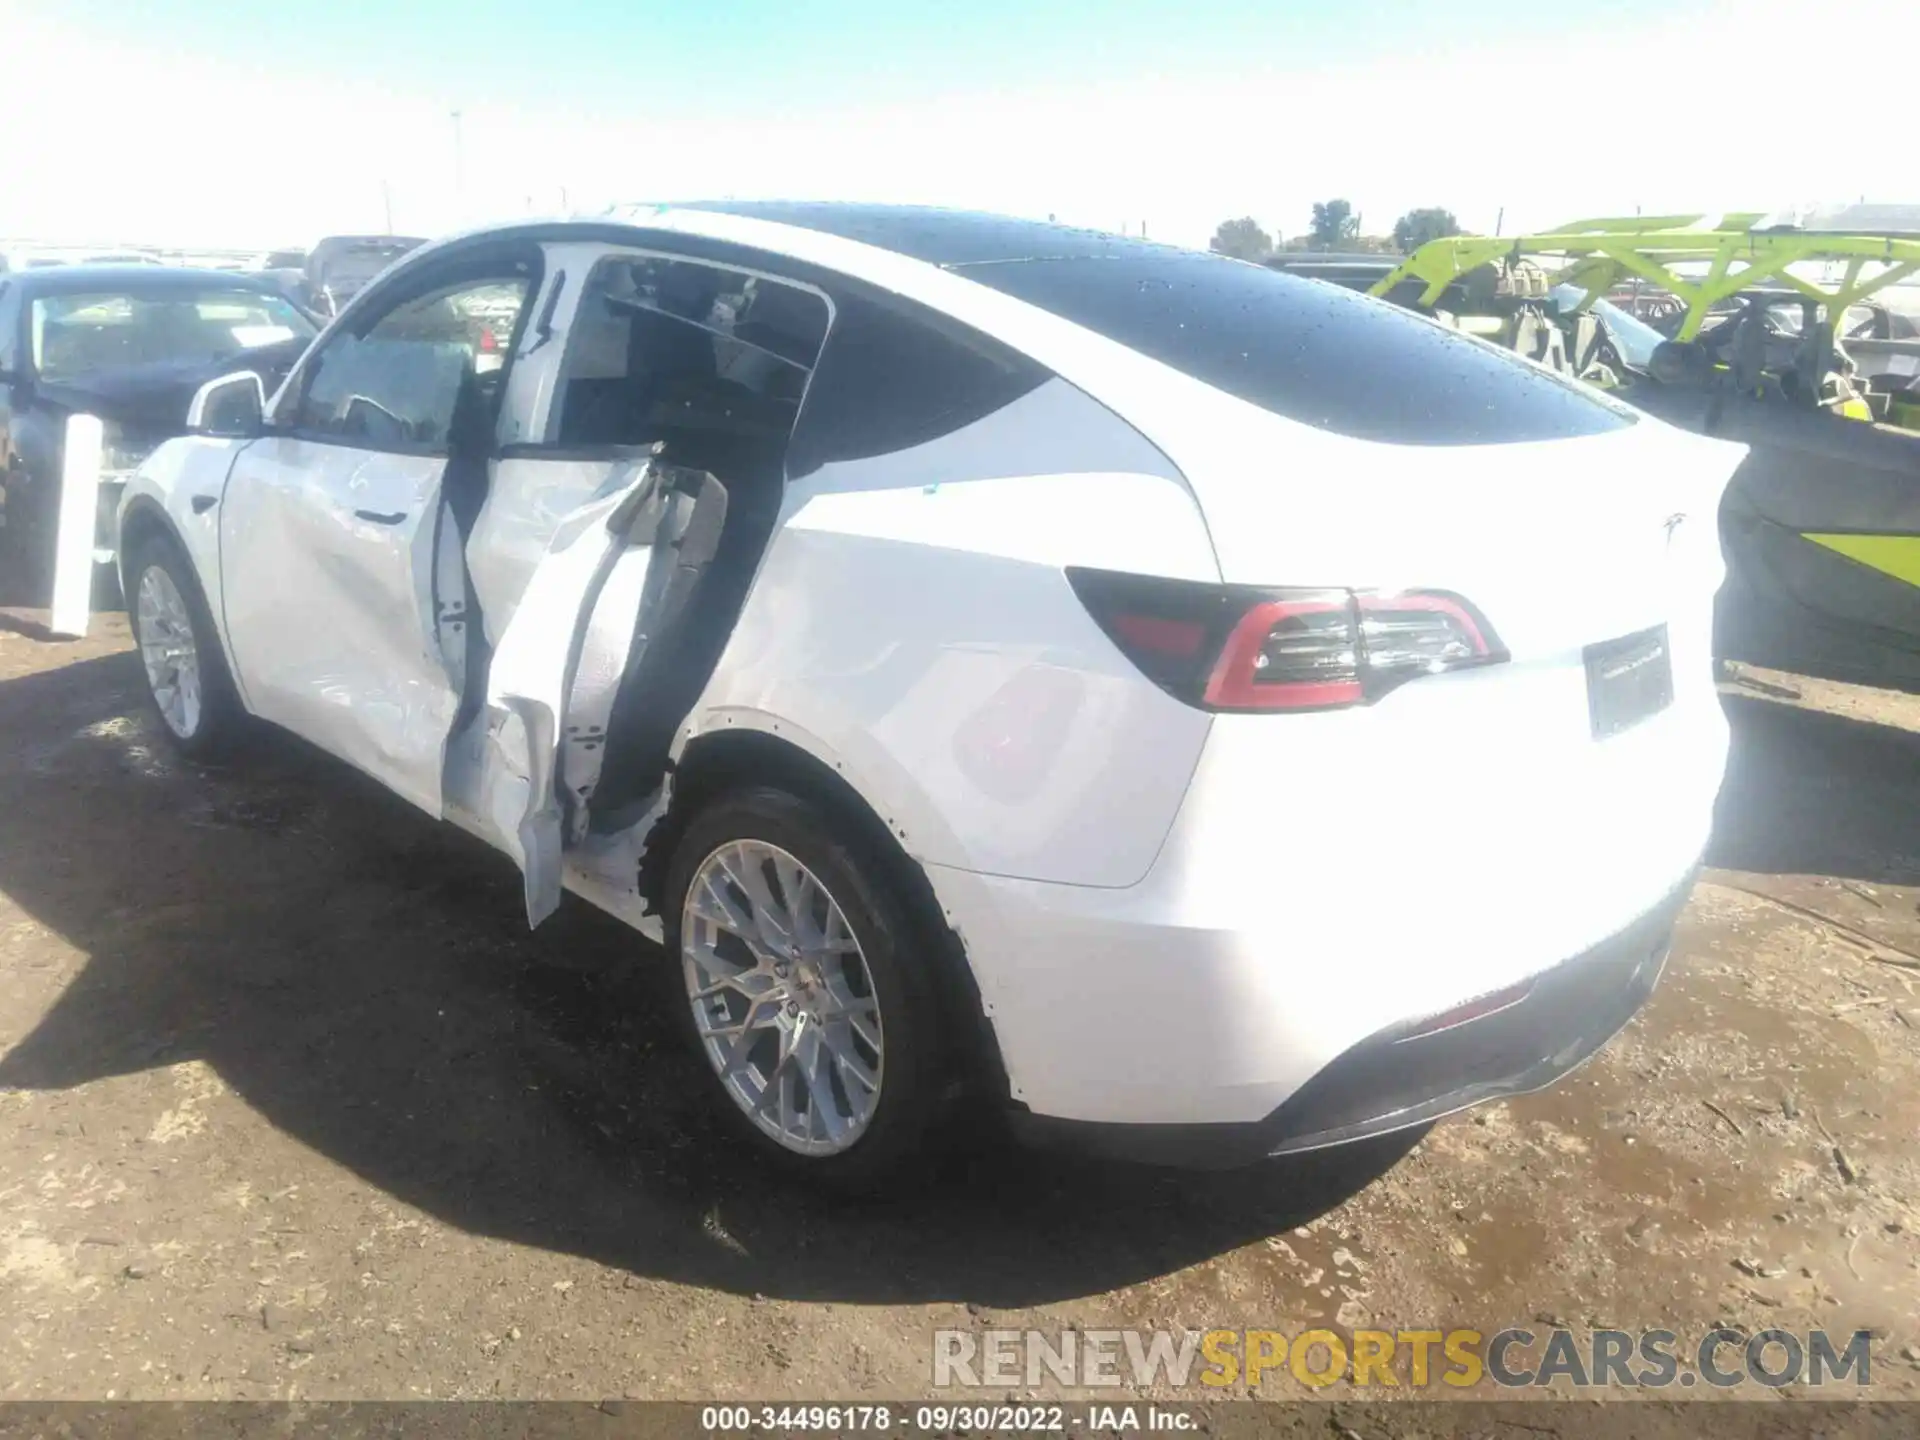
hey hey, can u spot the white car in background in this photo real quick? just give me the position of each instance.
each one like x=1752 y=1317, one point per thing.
x=1215 y=713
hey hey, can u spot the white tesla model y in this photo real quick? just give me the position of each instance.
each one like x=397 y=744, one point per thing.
x=1214 y=713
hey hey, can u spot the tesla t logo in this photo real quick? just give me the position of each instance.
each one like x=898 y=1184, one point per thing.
x=1673 y=524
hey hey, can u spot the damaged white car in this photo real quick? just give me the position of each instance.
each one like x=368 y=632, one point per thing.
x=1211 y=712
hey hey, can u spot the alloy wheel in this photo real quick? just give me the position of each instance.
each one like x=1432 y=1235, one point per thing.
x=783 y=1002
x=167 y=649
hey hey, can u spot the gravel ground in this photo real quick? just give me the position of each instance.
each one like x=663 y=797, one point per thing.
x=294 y=1107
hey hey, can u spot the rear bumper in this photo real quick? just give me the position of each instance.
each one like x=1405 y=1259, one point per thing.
x=1405 y=1075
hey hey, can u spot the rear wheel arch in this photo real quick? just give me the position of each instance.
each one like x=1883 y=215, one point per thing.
x=720 y=762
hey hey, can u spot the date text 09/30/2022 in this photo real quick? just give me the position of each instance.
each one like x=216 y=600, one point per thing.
x=938 y=1419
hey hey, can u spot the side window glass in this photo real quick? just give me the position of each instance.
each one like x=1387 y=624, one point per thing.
x=710 y=360
x=891 y=380
x=402 y=383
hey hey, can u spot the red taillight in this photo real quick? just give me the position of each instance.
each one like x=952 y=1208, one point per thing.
x=1177 y=638
x=1230 y=647
x=1296 y=654
x=487 y=343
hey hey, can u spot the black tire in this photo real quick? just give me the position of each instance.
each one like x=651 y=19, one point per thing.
x=917 y=1060
x=221 y=719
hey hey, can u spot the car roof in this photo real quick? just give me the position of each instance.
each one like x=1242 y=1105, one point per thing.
x=69 y=279
x=857 y=237
x=947 y=238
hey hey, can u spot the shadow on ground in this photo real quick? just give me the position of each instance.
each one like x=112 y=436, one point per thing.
x=362 y=976
x=25 y=593
x=1809 y=792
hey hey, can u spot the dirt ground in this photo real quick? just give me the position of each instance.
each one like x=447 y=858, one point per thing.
x=292 y=1105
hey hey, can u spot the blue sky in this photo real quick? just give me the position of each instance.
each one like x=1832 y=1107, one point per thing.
x=796 y=53
x=211 y=122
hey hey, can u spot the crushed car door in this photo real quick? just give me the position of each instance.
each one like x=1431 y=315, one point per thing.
x=580 y=626
x=657 y=437
x=342 y=578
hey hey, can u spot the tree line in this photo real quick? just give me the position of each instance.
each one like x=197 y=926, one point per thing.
x=1335 y=226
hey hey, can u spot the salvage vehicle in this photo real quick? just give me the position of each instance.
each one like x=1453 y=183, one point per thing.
x=992 y=658
x=1876 y=347
x=1821 y=524
x=286 y=271
x=130 y=344
x=340 y=266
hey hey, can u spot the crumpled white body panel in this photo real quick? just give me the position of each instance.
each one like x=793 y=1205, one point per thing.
x=532 y=678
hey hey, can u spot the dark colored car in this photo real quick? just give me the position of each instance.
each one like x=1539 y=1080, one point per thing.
x=130 y=344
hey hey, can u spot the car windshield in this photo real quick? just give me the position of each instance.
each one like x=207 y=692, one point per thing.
x=76 y=334
x=1632 y=337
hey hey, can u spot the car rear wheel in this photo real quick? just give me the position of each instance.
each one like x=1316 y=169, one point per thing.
x=187 y=678
x=804 y=995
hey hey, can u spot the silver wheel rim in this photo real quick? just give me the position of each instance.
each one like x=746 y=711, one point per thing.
x=168 y=651
x=782 y=998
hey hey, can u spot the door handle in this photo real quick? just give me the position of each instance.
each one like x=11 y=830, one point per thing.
x=381 y=517
x=203 y=503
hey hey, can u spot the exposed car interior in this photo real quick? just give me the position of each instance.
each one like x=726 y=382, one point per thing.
x=710 y=365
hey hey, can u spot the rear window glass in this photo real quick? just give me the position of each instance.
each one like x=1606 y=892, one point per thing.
x=1309 y=351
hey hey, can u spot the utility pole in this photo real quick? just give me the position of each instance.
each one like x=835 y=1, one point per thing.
x=386 y=200
x=1499 y=220
x=459 y=170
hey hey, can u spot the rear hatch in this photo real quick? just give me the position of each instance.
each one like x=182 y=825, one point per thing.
x=1563 y=762
x=1573 y=778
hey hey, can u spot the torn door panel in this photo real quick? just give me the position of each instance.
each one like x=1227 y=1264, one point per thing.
x=528 y=496
x=532 y=673
x=529 y=773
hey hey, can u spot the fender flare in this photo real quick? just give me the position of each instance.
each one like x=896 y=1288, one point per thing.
x=145 y=513
x=780 y=752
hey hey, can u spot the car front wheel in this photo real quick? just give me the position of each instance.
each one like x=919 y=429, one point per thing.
x=806 y=993
x=187 y=678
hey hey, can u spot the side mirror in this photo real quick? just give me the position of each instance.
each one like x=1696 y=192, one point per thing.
x=234 y=406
